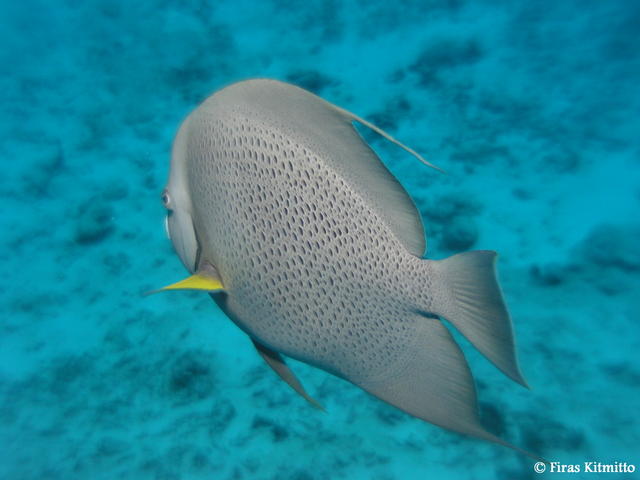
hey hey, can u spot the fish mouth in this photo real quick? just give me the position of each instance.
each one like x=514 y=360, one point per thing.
x=166 y=226
x=184 y=238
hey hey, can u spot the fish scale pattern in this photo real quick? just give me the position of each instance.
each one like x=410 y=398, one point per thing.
x=308 y=269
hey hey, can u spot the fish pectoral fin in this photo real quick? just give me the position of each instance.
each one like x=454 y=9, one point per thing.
x=206 y=279
x=277 y=363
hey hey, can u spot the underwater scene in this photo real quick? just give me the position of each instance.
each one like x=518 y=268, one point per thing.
x=530 y=110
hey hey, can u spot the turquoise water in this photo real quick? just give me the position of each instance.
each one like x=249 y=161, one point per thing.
x=532 y=108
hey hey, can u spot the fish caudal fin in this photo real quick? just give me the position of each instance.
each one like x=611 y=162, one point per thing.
x=472 y=301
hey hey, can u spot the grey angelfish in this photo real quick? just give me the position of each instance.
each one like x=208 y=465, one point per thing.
x=315 y=251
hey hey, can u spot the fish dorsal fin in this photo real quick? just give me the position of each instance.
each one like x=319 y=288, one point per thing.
x=277 y=363
x=396 y=204
x=384 y=134
x=385 y=192
x=328 y=130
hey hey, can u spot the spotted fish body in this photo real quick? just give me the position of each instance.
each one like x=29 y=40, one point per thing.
x=318 y=250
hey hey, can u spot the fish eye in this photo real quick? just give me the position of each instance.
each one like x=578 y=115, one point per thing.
x=166 y=199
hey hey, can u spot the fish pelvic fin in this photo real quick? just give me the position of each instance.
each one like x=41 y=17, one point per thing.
x=205 y=279
x=277 y=363
x=470 y=298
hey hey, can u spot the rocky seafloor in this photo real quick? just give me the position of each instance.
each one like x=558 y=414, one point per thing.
x=532 y=109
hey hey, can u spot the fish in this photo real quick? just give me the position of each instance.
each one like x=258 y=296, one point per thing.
x=284 y=214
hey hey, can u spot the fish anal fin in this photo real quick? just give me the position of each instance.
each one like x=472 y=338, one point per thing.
x=277 y=363
x=433 y=382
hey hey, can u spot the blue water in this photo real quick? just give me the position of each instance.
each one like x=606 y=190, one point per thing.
x=533 y=110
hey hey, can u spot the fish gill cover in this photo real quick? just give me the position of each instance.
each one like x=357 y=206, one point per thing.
x=531 y=108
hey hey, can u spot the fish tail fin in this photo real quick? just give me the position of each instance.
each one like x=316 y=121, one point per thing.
x=472 y=302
